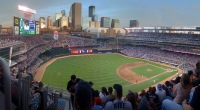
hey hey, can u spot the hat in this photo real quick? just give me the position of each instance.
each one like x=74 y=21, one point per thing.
x=90 y=83
x=118 y=88
x=159 y=87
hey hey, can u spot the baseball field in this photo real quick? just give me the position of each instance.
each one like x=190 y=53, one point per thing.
x=104 y=70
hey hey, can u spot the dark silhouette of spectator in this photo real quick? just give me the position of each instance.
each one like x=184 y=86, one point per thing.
x=154 y=100
x=132 y=99
x=110 y=94
x=1 y=80
x=83 y=96
x=71 y=87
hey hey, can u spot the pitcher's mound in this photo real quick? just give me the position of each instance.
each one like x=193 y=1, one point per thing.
x=126 y=73
x=149 y=70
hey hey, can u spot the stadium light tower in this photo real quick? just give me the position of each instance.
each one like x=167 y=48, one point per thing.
x=27 y=12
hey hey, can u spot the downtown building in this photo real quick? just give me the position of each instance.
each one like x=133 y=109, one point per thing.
x=57 y=19
x=92 y=13
x=76 y=15
x=42 y=22
x=134 y=23
x=115 y=23
x=63 y=21
x=86 y=22
x=105 y=22
x=63 y=13
x=49 y=22
x=94 y=24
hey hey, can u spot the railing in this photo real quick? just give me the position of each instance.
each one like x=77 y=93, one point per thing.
x=23 y=85
x=7 y=83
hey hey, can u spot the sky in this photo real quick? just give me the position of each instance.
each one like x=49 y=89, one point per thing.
x=147 y=12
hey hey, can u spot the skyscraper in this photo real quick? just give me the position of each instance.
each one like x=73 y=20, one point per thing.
x=57 y=19
x=49 y=21
x=92 y=13
x=42 y=22
x=105 y=22
x=76 y=14
x=115 y=23
x=63 y=13
x=63 y=21
x=58 y=16
x=134 y=23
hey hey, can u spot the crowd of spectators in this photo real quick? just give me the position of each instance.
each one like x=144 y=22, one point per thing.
x=183 y=60
x=164 y=37
x=78 y=41
x=178 y=94
x=7 y=42
x=188 y=50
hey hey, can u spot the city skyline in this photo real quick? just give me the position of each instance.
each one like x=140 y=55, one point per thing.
x=148 y=13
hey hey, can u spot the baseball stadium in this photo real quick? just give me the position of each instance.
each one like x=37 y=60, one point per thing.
x=142 y=68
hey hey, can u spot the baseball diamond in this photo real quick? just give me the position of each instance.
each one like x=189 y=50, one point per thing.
x=105 y=70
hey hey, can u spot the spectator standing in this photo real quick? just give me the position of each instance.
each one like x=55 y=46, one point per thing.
x=71 y=85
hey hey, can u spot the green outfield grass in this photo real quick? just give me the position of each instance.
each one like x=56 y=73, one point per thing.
x=100 y=69
x=148 y=70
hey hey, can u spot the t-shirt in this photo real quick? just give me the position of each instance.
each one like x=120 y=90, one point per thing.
x=118 y=105
x=161 y=95
x=195 y=102
x=97 y=107
x=71 y=85
x=180 y=93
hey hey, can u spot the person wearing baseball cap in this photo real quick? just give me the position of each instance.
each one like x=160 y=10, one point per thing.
x=118 y=103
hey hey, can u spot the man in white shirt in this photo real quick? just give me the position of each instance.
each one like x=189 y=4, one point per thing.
x=26 y=25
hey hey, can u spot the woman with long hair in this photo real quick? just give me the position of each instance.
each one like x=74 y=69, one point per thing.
x=182 y=89
x=132 y=99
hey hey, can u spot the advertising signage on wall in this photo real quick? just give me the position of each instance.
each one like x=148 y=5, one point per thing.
x=85 y=51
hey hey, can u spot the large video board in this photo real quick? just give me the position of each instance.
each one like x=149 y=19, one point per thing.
x=25 y=27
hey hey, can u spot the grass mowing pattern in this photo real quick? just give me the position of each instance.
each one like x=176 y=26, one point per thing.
x=143 y=70
x=98 y=68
